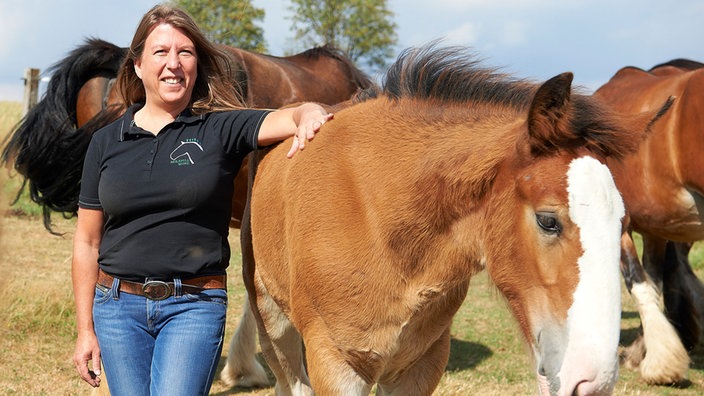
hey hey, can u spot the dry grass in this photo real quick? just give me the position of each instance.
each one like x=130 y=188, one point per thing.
x=487 y=357
x=37 y=315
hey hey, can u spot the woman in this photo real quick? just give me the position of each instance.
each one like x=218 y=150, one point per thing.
x=150 y=248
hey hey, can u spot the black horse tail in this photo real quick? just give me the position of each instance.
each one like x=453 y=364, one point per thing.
x=46 y=147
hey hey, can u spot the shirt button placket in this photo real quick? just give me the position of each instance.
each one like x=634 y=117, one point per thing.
x=150 y=161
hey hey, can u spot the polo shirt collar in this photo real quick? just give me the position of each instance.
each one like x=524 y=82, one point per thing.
x=127 y=123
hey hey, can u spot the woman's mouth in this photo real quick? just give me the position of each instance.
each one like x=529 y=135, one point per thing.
x=172 y=80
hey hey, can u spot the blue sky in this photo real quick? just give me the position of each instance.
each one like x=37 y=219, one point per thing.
x=534 y=39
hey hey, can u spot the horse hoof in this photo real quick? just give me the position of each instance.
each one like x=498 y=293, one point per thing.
x=255 y=377
x=655 y=373
x=665 y=366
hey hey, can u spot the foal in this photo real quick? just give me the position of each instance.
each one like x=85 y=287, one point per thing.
x=362 y=247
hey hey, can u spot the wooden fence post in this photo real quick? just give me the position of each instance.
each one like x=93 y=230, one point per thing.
x=31 y=89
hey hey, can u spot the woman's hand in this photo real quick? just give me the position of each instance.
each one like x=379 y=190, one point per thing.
x=84 y=275
x=87 y=350
x=311 y=120
x=302 y=122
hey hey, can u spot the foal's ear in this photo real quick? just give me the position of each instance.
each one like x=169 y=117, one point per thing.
x=549 y=115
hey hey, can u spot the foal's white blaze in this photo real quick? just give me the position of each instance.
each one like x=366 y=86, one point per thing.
x=590 y=362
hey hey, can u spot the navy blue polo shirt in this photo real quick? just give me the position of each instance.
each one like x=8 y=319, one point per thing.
x=167 y=198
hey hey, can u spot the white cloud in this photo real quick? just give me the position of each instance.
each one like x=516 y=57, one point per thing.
x=465 y=34
x=514 y=33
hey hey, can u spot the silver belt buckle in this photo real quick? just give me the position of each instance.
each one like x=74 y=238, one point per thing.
x=156 y=290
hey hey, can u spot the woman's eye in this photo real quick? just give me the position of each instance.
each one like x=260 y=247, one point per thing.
x=548 y=223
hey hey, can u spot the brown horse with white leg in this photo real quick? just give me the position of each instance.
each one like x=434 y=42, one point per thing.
x=362 y=247
x=48 y=146
x=663 y=189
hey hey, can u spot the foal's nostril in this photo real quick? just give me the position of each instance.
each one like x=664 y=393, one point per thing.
x=591 y=388
x=577 y=392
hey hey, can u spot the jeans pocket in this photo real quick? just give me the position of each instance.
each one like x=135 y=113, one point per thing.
x=218 y=296
x=102 y=294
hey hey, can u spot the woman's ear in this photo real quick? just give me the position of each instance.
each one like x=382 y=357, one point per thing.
x=138 y=68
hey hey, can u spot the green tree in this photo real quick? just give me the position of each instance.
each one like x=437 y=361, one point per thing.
x=229 y=22
x=364 y=29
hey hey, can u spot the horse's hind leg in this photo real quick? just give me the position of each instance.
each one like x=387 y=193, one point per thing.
x=423 y=377
x=280 y=342
x=666 y=361
x=282 y=346
x=242 y=367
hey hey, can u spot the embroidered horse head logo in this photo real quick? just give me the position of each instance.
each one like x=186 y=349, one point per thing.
x=181 y=153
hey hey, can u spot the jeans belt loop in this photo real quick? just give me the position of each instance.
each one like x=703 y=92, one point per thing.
x=178 y=291
x=115 y=288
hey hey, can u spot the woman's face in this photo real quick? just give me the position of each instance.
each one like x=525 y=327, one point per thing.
x=168 y=68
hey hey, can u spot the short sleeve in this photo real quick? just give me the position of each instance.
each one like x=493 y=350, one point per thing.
x=88 y=196
x=240 y=130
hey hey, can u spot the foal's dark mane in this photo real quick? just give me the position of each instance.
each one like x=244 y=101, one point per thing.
x=454 y=75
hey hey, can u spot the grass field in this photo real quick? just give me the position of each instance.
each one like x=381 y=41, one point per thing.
x=488 y=356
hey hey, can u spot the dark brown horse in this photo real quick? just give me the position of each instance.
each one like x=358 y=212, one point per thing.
x=49 y=144
x=451 y=169
x=663 y=188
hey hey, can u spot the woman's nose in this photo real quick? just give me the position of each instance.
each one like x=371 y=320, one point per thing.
x=172 y=61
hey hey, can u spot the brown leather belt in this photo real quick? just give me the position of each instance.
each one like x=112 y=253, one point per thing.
x=159 y=290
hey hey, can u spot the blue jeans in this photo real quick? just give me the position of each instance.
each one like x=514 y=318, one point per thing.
x=168 y=347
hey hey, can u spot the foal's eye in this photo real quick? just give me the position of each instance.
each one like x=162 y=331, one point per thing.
x=548 y=222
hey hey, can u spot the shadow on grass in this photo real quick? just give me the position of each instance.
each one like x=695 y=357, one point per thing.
x=466 y=355
x=629 y=335
x=629 y=315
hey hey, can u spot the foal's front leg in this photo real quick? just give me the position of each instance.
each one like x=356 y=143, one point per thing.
x=329 y=365
x=423 y=377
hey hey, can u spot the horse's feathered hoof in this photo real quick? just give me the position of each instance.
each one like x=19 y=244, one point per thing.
x=665 y=363
x=253 y=376
x=668 y=366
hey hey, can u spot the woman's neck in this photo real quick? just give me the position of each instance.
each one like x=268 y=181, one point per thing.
x=154 y=119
